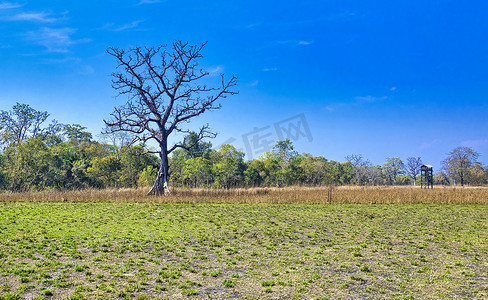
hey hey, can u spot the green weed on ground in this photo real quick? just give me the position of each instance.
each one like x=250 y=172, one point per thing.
x=250 y=251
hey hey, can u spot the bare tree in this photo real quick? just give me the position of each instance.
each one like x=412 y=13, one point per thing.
x=373 y=173
x=357 y=160
x=120 y=140
x=359 y=167
x=164 y=90
x=413 y=167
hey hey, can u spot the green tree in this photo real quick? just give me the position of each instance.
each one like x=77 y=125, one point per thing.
x=272 y=168
x=293 y=172
x=394 y=167
x=81 y=178
x=28 y=165
x=404 y=180
x=86 y=152
x=338 y=173
x=106 y=169
x=177 y=162
x=313 y=169
x=20 y=123
x=441 y=178
x=284 y=150
x=76 y=133
x=228 y=164
x=132 y=161
x=255 y=173
x=147 y=176
x=197 y=172
x=193 y=146
x=63 y=157
x=3 y=179
x=477 y=174
x=458 y=163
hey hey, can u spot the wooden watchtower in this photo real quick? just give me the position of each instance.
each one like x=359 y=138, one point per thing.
x=426 y=176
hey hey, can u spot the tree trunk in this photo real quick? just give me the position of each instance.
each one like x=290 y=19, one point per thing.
x=160 y=186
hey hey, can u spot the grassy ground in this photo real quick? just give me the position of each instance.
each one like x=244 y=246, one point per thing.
x=252 y=251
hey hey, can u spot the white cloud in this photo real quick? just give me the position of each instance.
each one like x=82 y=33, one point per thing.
x=215 y=71
x=335 y=106
x=61 y=61
x=33 y=16
x=360 y=100
x=369 y=99
x=270 y=69
x=252 y=26
x=305 y=42
x=131 y=25
x=330 y=108
x=296 y=42
x=393 y=88
x=55 y=39
x=254 y=83
x=8 y=5
x=149 y=1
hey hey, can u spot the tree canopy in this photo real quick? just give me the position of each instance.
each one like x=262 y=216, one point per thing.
x=459 y=162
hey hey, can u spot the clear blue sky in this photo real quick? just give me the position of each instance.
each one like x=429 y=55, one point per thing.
x=379 y=78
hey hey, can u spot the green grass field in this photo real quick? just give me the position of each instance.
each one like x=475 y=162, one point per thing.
x=251 y=251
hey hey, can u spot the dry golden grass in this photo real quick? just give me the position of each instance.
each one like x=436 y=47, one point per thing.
x=329 y=194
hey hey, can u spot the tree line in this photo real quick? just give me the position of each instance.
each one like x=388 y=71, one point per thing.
x=65 y=156
x=35 y=156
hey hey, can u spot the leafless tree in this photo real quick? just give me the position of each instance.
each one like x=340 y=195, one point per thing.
x=120 y=140
x=360 y=167
x=357 y=160
x=165 y=90
x=413 y=167
x=373 y=173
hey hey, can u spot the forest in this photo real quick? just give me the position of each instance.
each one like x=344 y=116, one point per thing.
x=35 y=156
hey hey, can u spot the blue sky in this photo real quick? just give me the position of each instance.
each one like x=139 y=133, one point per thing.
x=379 y=78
